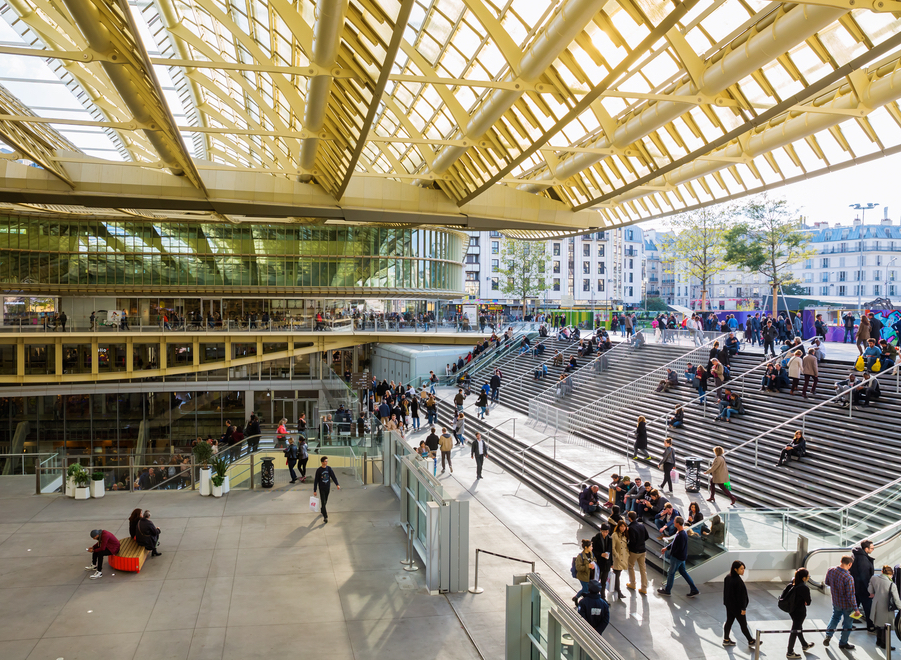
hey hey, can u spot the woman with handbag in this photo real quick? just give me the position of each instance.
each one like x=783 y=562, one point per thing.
x=719 y=475
x=641 y=439
x=885 y=601
x=797 y=610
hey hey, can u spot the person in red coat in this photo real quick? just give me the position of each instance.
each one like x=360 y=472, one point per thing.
x=106 y=545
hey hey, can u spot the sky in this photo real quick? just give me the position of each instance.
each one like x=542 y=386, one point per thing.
x=827 y=198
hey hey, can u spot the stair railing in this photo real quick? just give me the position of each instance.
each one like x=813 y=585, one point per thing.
x=803 y=415
x=626 y=395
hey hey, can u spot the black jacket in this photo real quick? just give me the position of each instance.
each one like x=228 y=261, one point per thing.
x=862 y=569
x=735 y=594
x=431 y=442
x=600 y=545
x=641 y=436
x=799 y=600
x=495 y=382
x=638 y=535
x=148 y=534
x=595 y=611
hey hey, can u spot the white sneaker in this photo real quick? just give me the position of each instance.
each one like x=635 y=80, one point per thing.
x=90 y=568
x=97 y=574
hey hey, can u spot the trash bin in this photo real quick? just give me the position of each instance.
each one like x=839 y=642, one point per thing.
x=267 y=473
x=693 y=466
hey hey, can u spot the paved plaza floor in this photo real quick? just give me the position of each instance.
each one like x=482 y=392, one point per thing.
x=250 y=575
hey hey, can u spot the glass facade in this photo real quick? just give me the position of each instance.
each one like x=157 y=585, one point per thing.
x=42 y=252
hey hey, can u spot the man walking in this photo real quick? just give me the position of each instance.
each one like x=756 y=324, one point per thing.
x=431 y=441
x=479 y=451
x=844 y=601
x=862 y=570
x=458 y=400
x=638 y=536
x=848 y=320
x=678 y=550
x=323 y=483
x=446 y=442
x=495 y=386
x=667 y=463
x=769 y=338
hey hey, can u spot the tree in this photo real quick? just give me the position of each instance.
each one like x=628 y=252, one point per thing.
x=697 y=247
x=524 y=265
x=655 y=304
x=769 y=242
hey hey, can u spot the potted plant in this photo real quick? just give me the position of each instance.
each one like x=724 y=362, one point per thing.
x=98 y=486
x=71 y=471
x=217 y=480
x=82 y=484
x=203 y=452
x=220 y=467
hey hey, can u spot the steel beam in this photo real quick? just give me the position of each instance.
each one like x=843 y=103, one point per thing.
x=397 y=36
x=889 y=90
x=584 y=104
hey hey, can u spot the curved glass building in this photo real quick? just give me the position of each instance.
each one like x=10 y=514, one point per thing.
x=45 y=255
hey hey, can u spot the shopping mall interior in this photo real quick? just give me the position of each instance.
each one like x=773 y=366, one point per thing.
x=237 y=238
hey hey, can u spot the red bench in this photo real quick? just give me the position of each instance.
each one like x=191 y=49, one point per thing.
x=130 y=557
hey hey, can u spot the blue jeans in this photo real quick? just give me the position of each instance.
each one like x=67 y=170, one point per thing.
x=849 y=336
x=702 y=394
x=432 y=388
x=845 y=615
x=416 y=422
x=674 y=566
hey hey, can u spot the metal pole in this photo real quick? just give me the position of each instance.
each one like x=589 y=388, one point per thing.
x=757 y=646
x=476 y=589
x=888 y=641
x=364 y=468
x=37 y=476
x=131 y=472
x=193 y=478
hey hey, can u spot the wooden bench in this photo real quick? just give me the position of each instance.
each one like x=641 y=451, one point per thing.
x=130 y=557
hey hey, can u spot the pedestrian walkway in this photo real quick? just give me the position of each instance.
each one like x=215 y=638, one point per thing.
x=250 y=575
x=513 y=520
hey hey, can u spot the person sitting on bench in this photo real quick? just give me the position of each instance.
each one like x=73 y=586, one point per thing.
x=105 y=546
x=798 y=447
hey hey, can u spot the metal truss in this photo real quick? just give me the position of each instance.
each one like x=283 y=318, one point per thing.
x=592 y=106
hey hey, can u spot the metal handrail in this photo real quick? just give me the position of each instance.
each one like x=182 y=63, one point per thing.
x=726 y=385
x=625 y=395
x=596 y=474
x=802 y=416
x=584 y=369
x=476 y=589
x=888 y=528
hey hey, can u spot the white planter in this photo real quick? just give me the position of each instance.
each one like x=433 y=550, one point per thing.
x=217 y=490
x=70 y=487
x=205 y=485
x=82 y=493
x=98 y=488
x=225 y=486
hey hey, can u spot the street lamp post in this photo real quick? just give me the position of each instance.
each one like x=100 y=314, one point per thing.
x=887 y=268
x=863 y=209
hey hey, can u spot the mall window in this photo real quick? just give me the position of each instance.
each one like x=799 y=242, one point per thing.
x=494 y=284
x=808 y=277
x=495 y=247
x=630 y=277
x=586 y=285
x=808 y=263
x=824 y=277
x=876 y=290
x=494 y=234
x=556 y=249
x=824 y=290
x=601 y=268
x=556 y=284
x=841 y=262
x=473 y=241
x=842 y=276
x=495 y=266
x=601 y=286
x=631 y=263
x=600 y=250
x=472 y=276
x=630 y=234
x=877 y=275
x=843 y=290
x=825 y=262
x=586 y=249
x=599 y=236
x=630 y=292
x=586 y=267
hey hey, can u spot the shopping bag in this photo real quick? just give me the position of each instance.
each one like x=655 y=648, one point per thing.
x=674 y=476
x=877 y=366
x=860 y=365
x=314 y=504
